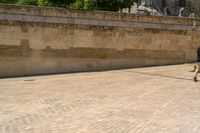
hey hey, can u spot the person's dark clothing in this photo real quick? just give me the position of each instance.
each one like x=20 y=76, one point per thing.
x=198 y=54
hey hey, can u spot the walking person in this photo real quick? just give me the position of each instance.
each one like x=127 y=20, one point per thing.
x=197 y=65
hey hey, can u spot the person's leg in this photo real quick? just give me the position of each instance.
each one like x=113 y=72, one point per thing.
x=196 y=72
x=195 y=67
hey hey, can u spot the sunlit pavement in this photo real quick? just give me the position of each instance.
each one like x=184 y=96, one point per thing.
x=144 y=100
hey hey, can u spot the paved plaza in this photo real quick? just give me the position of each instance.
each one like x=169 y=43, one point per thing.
x=143 y=100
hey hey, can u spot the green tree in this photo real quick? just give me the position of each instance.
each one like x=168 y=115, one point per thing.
x=8 y=1
x=105 y=5
x=125 y=4
x=35 y=2
x=61 y=3
x=109 y=5
x=42 y=3
x=77 y=5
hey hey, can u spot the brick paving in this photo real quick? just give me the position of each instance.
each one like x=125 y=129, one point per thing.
x=144 y=100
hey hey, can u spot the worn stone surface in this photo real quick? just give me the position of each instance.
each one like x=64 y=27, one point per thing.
x=146 y=100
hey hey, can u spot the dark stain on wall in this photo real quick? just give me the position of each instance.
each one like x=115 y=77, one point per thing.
x=98 y=53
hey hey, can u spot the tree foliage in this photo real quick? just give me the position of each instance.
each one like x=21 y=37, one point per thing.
x=8 y=1
x=106 y=5
x=109 y=5
x=58 y=3
x=61 y=3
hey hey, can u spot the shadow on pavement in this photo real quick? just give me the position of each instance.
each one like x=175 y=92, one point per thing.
x=161 y=75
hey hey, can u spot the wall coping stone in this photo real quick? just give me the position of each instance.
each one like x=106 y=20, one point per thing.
x=114 y=16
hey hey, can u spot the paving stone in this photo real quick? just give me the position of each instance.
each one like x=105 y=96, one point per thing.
x=143 y=100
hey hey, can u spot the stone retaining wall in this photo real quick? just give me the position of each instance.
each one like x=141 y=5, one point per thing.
x=35 y=40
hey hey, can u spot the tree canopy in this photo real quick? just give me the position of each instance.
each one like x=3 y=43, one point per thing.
x=61 y=3
x=110 y=5
x=105 y=5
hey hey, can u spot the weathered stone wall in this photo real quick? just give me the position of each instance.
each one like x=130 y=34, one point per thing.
x=36 y=40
